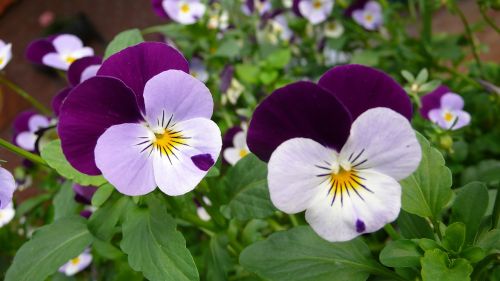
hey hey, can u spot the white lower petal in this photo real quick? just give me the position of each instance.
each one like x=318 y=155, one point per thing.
x=26 y=140
x=56 y=61
x=7 y=214
x=232 y=155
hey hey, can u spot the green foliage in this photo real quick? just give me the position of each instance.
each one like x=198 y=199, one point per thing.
x=123 y=40
x=102 y=194
x=64 y=203
x=401 y=253
x=437 y=266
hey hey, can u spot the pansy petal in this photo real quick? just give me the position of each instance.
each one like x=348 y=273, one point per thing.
x=452 y=101
x=83 y=194
x=58 y=99
x=180 y=171
x=26 y=140
x=137 y=64
x=22 y=120
x=158 y=8
x=232 y=155
x=432 y=100
x=293 y=173
x=227 y=140
x=463 y=119
x=89 y=72
x=91 y=108
x=360 y=88
x=77 y=68
x=383 y=140
x=177 y=95
x=7 y=187
x=55 y=60
x=122 y=160
x=240 y=140
x=355 y=212
x=38 y=49
x=37 y=122
x=301 y=109
x=66 y=43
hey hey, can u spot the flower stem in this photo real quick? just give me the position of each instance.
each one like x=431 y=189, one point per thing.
x=392 y=232
x=496 y=209
x=437 y=229
x=22 y=93
x=293 y=220
x=28 y=155
x=488 y=20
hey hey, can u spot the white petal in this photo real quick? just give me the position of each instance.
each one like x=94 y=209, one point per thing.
x=7 y=188
x=383 y=140
x=83 y=52
x=203 y=214
x=26 y=140
x=232 y=155
x=7 y=214
x=37 y=122
x=293 y=173
x=55 y=60
x=240 y=140
x=67 y=43
x=89 y=72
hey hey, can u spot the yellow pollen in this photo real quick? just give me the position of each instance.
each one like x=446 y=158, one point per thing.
x=69 y=59
x=1 y=60
x=414 y=87
x=317 y=4
x=448 y=116
x=168 y=141
x=368 y=17
x=243 y=153
x=345 y=183
x=75 y=261
x=185 y=8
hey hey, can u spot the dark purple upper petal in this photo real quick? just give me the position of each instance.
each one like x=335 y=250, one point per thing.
x=432 y=100
x=92 y=107
x=38 y=49
x=226 y=76
x=58 y=99
x=77 y=67
x=22 y=120
x=227 y=140
x=360 y=88
x=295 y=7
x=83 y=194
x=158 y=8
x=137 y=64
x=301 y=109
x=356 y=5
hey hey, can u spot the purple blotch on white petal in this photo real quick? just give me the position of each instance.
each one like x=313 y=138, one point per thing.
x=360 y=226
x=203 y=161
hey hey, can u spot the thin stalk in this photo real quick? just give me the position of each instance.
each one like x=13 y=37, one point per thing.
x=470 y=38
x=426 y=12
x=496 y=209
x=488 y=20
x=437 y=230
x=195 y=220
x=392 y=232
x=19 y=151
x=293 y=220
x=22 y=93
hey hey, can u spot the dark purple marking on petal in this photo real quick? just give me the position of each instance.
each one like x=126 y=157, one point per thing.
x=360 y=88
x=86 y=213
x=158 y=9
x=76 y=68
x=356 y=5
x=360 y=226
x=227 y=140
x=302 y=109
x=38 y=49
x=225 y=78
x=83 y=194
x=137 y=64
x=295 y=7
x=203 y=161
x=58 y=99
x=92 y=107
x=432 y=100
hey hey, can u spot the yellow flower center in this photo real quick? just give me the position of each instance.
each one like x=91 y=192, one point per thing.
x=368 y=17
x=185 y=8
x=448 y=116
x=414 y=87
x=317 y=4
x=75 y=261
x=69 y=59
x=1 y=60
x=345 y=182
x=167 y=141
x=243 y=153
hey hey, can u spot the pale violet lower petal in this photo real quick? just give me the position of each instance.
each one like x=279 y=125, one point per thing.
x=26 y=140
x=37 y=122
x=66 y=43
x=56 y=61
x=89 y=72
x=7 y=187
x=232 y=155
x=452 y=101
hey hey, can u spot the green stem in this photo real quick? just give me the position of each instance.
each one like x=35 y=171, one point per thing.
x=436 y=228
x=392 y=232
x=28 y=155
x=470 y=38
x=483 y=265
x=206 y=226
x=293 y=220
x=496 y=209
x=488 y=20
x=22 y=93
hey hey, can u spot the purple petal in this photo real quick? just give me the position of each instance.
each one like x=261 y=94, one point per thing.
x=83 y=194
x=78 y=67
x=227 y=140
x=90 y=109
x=137 y=64
x=452 y=101
x=158 y=8
x=301 y=109
x=295 y=7
x=58 y=99
x=356 y=5
x=38 y=49
x=203 y=161
x=432 y=100
x=7 y=187
x=360 y=88
x=225 y=78
x=22 y=120
x=86 y=213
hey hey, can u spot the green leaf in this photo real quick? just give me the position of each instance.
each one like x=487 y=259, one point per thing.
x=301 y=255
x=473 y=194
x=123 y=40
x=64 y=202
x=427 y=190
x=473 y=254
x=248 y=73
x=102 y=194
x=51 y=247
x=437 y=266
x=278 y=59
x=269 y=76
x=31 y=203
x=366 y=57
x=422 y=76
x=401 y=253
x=408 y=76
x=228 y=49
x=454 y=237
x=490 y=241
x=102 y=223
x=154 y=246
x=106 y=250
x=53 y=155
x=247 y=184
x=413 y=226
x=487 y=171
x=218 y=261
x=213 y=172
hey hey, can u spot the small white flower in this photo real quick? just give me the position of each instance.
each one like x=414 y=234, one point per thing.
x=5 y=54
x=334 y=57
x=7 y=214
x=239 y=150
x=334 y=29
x=68 y=48
x=233 y=93
x=77 y=264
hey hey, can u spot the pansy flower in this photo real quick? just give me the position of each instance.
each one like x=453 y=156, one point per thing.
x=79 y=71
x=337 y=149
x=58 y=51
x=334 y=29
x=445 y=109
x=370 y=16
x=181 y=11
x=7 y=214
x=279 y=26
x=333 y=57
x=237 y=148
x=142 y=122
x=77 y=264
x=27 y=128
x=315 y=11
x=198 y=69
x=261 y=6
x=5 y=54
x=7 y=188
x=201 y=211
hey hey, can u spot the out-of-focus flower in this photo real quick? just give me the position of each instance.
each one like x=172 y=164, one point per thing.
x=5 y=54
x=7 y=188
x=77 y=264
x=83 y=195
x=79 y=71
x=58 y=51
x=370 y=17
x=334 y=29
x=345 y=176
x=46 y=18
x=7 y=214
x=261 y=6
x=238 y=150
x=202 y=212
x=334 y=57
x=181 y=11
x=198 y=70
x=279 y=27
x=142 y=122
x=27 y=128
x=445 y=109
x=233 y=92
x=315 y=11
x=218 y=19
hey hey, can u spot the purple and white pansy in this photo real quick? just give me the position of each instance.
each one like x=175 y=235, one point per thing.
x=27 y=127
x=58 y=51
x=370 y=16
x=77 y=264
x=315 y=11
x=445 y=109
x=5 y=54
x=142 y=122
x=259 y=6
x=181 y=11
x=337 y=149
x=198 y=70
x=238 y=145
x=7 y=188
